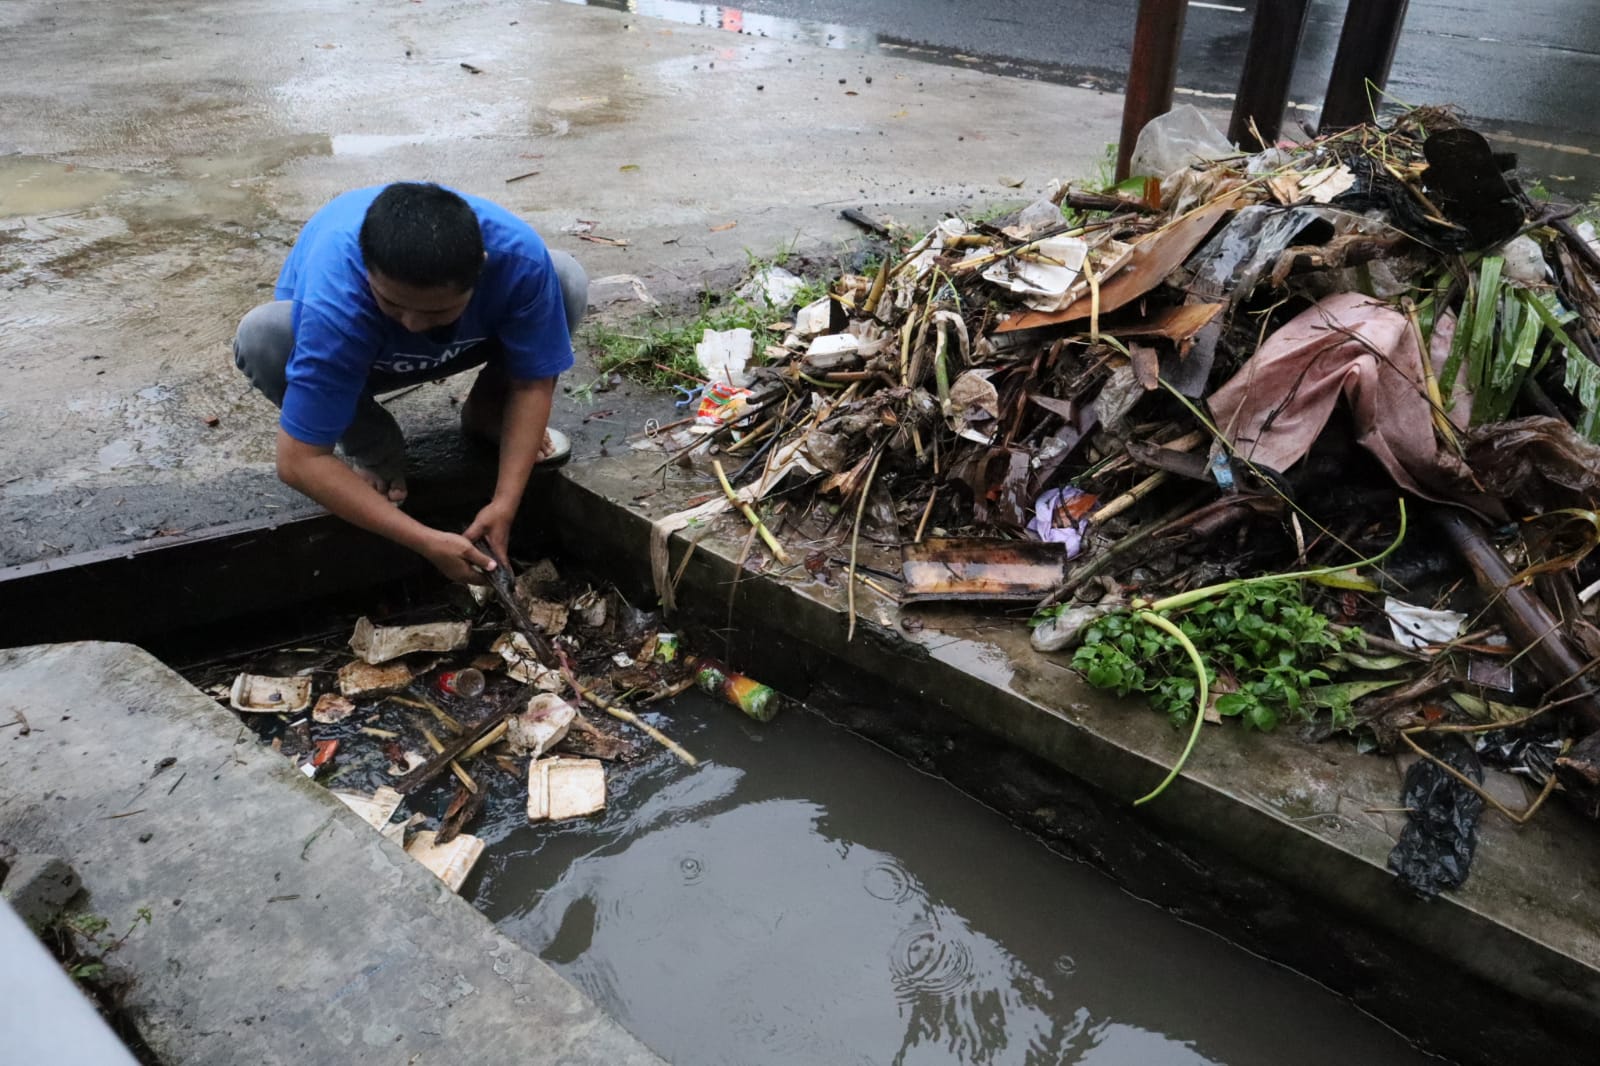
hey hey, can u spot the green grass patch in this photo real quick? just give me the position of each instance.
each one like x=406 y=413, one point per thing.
x=658 y=350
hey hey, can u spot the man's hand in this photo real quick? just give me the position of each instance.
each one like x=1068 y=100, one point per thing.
x=494 y=525
x=456 y=558
x=315 y=471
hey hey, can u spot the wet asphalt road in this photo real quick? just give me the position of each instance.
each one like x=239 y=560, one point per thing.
x=1529 y=66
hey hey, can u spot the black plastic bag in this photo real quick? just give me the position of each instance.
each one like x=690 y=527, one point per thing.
x=1435 y=849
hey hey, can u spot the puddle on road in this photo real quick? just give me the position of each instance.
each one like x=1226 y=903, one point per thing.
x=805 y=897
x=32 y=186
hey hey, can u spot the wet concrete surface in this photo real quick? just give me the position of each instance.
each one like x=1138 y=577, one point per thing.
x=156 y=162
x=806 y=897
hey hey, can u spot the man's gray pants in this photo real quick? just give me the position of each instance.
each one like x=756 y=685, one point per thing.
x=265 y=340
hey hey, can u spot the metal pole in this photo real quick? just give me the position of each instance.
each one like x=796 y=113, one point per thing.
x=1366 y=49
x=1152 y=73
x=1268 y=65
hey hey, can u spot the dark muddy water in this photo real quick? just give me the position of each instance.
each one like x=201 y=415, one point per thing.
x=805 y=897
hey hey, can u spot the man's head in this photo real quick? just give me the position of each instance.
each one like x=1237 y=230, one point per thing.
x=423 y=252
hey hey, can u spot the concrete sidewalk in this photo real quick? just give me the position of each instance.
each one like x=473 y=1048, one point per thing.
x=157 y=159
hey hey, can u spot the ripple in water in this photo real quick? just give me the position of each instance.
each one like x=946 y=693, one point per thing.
x=1065 y=966
x=692 y=869
x=924 y=962
x=889 y=882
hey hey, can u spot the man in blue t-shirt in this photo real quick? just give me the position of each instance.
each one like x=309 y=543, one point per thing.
x=394 y=285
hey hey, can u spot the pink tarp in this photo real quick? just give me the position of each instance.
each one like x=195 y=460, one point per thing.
x=1359 y=348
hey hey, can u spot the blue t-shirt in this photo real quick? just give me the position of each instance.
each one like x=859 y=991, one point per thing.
x=340 y=336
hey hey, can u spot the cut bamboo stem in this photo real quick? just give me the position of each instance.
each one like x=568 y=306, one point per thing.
x=1131 y=497
x=622 y=714
x=433 y=709
x=492 y=737
x=455 y=766
x=926 y=512
x=750 y=515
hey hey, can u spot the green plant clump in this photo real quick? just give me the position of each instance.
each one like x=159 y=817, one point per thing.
x=1261 y=643
x=661 y=353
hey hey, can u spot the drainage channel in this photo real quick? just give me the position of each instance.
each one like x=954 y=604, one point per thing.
x=805 y=896
x=272 y=586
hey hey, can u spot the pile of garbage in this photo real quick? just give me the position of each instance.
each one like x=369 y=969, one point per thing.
x=432 y=720
x=1361 y=371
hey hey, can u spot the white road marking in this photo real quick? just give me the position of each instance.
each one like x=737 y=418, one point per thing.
x=1230 y=96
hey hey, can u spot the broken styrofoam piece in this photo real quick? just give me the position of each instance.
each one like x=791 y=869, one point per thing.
x=814 y=318
x=331 y=707
x=833 y=344
x=254 y=694
x=724 y=356
x=774 y=284
x=450 y=863
x=363 y=679
x=548 y=616
x=1325 y=185
x=565 y=788
x=1418 y=627
x=640 y=291
x=541 y=726
x=396 y=831
x=379 y=644
x=975 y=406
x=409 y=760
x=1045 y=278
x=523 y=665
x=376 y=809
x=593 y=608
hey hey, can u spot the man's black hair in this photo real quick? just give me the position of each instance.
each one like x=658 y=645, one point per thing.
x=421 y=234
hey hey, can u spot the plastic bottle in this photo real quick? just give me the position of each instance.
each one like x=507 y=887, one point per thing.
x=752 y=697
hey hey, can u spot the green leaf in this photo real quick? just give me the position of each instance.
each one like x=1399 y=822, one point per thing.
x=1261 y=717
x=1487 y=710
x=1344 y=693
x=1346 y=579
x=1235 y=703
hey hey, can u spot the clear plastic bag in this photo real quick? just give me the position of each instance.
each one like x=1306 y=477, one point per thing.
x=1178 y=139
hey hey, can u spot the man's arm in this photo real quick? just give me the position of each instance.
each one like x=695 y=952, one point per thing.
x=527 y=413
x=317 y=472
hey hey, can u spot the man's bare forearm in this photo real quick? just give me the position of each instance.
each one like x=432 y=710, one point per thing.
x=527 y=413
x=321 y=475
